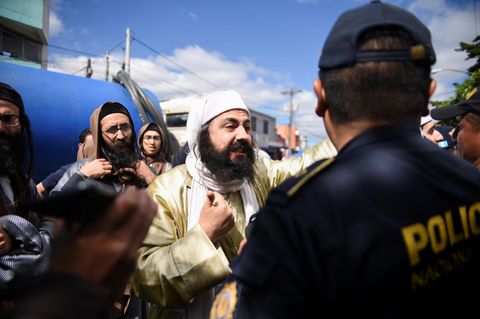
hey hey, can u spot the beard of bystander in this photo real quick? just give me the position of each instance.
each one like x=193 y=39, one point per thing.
x=12 y=153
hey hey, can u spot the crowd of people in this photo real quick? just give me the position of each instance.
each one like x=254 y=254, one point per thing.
x=381 y=219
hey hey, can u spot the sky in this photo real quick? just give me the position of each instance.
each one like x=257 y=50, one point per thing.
x=260 y=48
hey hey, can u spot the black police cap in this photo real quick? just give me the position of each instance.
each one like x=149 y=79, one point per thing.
x=471 y=104
x=340 y=49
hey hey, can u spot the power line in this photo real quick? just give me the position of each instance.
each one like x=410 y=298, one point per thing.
x=177 y=64
x=259 y=105
x=84 y=52
x=74 y=51
x=169 y=83
x=116 y=46
x=193 y=73
x=291 y=111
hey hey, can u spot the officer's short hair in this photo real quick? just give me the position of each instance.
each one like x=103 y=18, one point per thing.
x=389 y=91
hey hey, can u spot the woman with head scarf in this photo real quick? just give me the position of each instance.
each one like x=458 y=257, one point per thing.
x=150 y=141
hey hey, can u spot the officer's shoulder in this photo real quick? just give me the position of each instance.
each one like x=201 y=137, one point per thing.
x=282 y=194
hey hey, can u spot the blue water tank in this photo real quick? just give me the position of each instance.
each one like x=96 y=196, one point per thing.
x=59 y=107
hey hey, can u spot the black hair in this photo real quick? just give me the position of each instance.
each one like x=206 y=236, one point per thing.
x=161 y=156
x=383 y=91
x=83 y=135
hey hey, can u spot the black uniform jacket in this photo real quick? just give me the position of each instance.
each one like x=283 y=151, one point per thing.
x=389 y=228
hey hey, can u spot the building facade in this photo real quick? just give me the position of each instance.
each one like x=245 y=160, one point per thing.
x=24 y=32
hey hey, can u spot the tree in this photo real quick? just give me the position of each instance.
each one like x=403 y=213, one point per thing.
x=473 y=52
x=462 y=89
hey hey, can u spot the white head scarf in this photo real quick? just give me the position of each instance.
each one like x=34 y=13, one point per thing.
x=214 y=105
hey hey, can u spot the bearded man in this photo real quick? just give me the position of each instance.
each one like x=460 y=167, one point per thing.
x=114 y=159
x=24 y=236
x=204 y=206
x=114 y=162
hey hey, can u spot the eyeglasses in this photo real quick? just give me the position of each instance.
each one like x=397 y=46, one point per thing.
x=148 y=138
x=113 y=130
x=9 y=119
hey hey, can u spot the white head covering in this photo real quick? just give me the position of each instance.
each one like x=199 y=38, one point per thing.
x=214 y=105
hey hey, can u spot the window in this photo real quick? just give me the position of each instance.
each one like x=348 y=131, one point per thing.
x=32 y=51
x=254 y=124
x=19 y=48
x=265 y=127
x=12 y=45
x=177 y=119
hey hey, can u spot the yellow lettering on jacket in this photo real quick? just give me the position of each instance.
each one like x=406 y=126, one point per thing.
x=416 y=239
x=452 y=235
x=450 y=227
x=472 y=212
x=463 y=217
x=428 y=274
x=437 y=233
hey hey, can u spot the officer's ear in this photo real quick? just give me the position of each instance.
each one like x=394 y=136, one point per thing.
x=321 y=99
x=431 y=89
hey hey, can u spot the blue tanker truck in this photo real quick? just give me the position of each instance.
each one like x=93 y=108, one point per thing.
x=59 y=107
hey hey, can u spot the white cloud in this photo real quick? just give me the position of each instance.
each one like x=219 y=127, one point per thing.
x=260 y=88
x=192 y=15
x=305 y=118
x=449 y=26
x=55 y=26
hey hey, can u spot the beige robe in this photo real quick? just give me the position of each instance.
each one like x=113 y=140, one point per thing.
x=176 y=264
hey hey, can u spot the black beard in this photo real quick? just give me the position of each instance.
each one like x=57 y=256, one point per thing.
x=120 y=155
x=12 y=154
x=219 y=162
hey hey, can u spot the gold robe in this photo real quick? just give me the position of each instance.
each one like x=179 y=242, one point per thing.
x=176 y=264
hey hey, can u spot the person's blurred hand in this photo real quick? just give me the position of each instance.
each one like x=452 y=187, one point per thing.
x=105 y=251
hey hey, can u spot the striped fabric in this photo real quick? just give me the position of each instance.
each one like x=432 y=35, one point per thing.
x=30 y=254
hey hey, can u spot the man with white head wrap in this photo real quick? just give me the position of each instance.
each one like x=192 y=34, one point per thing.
x=204 y=206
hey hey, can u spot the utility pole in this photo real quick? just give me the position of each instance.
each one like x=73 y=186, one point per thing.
x=127 y=51
x=107 y=66
x=291 y=111
x=89 y=70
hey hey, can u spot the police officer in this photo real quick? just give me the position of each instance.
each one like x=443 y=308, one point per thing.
x=467 y=133
x=388 y=228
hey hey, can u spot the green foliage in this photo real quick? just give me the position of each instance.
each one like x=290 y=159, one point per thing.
x=462 y=89
x=473 y=52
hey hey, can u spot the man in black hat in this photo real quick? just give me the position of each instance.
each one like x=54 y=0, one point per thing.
x=467 y=134
x=114 y=160
x=388 y=228
x=24 y=236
